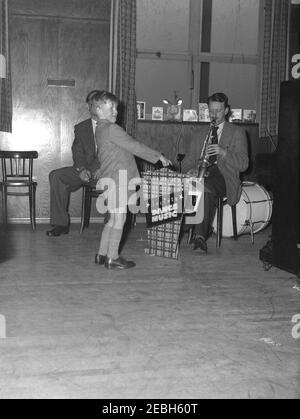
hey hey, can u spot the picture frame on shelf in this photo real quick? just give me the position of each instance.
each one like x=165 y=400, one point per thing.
x=236 y=115
x=141 y=109
x=157 y=113
x=249 y=115
x=173 y=112
x=189 y=115
x=203 y=114
x=173 y=109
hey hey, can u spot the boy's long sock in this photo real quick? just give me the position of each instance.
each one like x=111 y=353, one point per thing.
x=114 y=243
x=104 y=242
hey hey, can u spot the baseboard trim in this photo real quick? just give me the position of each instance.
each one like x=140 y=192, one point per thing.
x=74 y=220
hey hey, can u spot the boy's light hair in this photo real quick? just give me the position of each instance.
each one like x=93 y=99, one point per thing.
x=103 y=96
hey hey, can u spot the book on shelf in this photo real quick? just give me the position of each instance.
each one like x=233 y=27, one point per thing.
x=236 y=115
x=190 y=115
x=203 y=113
x=249 y=115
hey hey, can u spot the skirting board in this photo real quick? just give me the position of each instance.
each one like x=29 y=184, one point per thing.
x=74 y=220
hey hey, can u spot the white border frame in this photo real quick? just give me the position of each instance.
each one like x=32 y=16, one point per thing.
x=141 y=110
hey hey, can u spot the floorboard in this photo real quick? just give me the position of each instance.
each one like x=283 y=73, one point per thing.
x=203 y=326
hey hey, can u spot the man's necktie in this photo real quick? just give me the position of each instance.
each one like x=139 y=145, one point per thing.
x=214 y=140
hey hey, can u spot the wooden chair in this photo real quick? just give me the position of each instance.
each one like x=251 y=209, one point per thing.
x=220 y=203
x=17 y=169
x=89 y=191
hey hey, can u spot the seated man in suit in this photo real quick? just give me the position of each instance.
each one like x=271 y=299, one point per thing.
x=228 y=156
x=65 y=180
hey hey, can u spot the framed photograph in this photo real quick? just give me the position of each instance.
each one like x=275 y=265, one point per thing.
x=141 y=110
x=173 y=112
x=190 y=115
x=236 y=115
x=203 y=112
x=249 y=115
x=157 y=113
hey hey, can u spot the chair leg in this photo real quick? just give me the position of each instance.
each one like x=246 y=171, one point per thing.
x=83 y=207
x=133 y=221
x=219 y=222
x=88 y=211
x=4 y=204
x=130 y=219
x=34 y=206
x=30 y=190
x=234 y=227
x=190 y=236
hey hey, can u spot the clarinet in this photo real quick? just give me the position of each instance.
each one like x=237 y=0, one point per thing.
x=204 y=162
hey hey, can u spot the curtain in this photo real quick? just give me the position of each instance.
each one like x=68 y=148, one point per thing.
x=274 y=63
x=123 y=60
x=5 y=71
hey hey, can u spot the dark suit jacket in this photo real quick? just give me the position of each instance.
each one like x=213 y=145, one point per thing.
x=83 y=148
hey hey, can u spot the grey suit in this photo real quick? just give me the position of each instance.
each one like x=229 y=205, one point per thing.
x=116 y=151
x=224 y=176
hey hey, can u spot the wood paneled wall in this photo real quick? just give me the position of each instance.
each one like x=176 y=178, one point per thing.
x=57 y=39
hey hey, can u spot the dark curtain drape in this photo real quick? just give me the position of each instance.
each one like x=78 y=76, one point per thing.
x=274 y=63
x=5 y=71
x=123 y=60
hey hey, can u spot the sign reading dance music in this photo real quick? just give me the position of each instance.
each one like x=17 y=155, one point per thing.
x=159 y=212
x=168 y=195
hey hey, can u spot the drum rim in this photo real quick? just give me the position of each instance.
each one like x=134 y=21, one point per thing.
x=268 y=200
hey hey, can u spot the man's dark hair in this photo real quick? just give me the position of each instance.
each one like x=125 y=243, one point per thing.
x=92 y=94
x=104 y=95
x=222 y=98
x=219 y=97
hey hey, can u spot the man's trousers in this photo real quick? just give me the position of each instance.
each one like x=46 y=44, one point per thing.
x=214 y=187
x=62 y=182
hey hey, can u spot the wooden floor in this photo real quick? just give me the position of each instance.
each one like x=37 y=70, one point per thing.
x=205 y=326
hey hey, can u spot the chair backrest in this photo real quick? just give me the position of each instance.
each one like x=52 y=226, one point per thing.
x=17 y=164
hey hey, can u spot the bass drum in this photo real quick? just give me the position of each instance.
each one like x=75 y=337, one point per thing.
x=253 y=211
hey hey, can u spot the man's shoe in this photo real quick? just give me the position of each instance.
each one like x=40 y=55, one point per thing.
x=200 y=243
x=57 y=231
x=119 y=263
x=99 y=259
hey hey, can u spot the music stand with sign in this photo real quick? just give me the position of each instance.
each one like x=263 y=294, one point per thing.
x=163 y=190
